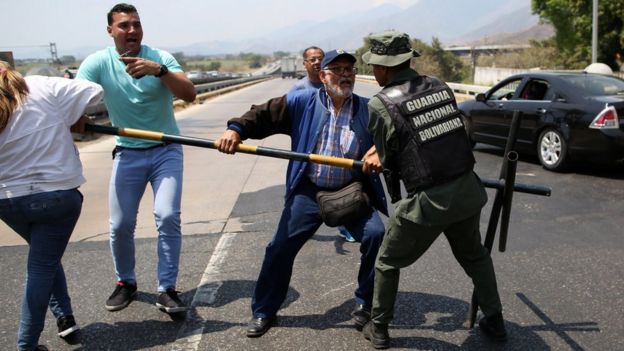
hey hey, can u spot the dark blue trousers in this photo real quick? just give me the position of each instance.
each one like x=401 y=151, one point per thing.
x=299 y=221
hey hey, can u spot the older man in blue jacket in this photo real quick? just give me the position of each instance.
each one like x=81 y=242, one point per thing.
x=331 y=121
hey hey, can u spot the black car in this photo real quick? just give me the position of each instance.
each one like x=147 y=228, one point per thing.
x=566 y=117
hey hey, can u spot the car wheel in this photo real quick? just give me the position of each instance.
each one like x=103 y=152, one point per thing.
x=468 y=127
x=552 y=150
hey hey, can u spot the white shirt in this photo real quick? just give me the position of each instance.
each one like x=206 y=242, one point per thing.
x=37 y=152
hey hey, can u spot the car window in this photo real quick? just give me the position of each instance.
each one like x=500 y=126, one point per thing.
x=596 y=85
x=505 y=92
x=550 y=94
x=536 y=90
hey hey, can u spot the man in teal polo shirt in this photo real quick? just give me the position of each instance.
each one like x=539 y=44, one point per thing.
x=419 y=134
x=139 y=84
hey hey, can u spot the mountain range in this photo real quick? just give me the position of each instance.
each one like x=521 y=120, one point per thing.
x=453 y=22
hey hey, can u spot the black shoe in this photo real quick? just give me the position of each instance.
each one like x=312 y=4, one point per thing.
x=494 y=327
x=67 y=327
x=377 y=334
x=41 y=348
x=121 y=297
x=259 y=326
x=361 y=315
x=169 y=302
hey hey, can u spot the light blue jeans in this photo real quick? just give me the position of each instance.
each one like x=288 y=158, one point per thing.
x=45 y=221
x=132 y=170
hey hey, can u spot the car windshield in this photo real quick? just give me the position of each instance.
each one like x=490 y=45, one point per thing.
x=595 y=85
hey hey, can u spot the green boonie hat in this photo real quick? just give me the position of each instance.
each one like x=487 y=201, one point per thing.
x=389 y=49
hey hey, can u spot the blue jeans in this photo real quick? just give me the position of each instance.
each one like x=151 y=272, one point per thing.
x=45 y=221
x=299 y=221
x=132 y=170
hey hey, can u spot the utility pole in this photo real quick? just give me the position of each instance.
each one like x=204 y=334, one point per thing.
x=8 y=57
x=473 y=62
x=595 y=32
x=53 y=53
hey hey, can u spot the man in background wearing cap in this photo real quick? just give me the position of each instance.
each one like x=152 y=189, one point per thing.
x=329 y=121
x=418 y=131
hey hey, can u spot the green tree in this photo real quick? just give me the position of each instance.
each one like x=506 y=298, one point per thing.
x=179 y=56
x=445 y=65
x=68 y=59
x=434 y=61
x=363 y=68
x=572 y=20
x=279 y=54
x=214 y=65
x=254 y=60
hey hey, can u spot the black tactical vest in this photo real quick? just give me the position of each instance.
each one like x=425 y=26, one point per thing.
x=434 y=147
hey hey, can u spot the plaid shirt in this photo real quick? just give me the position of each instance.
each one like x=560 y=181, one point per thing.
x=336 y=139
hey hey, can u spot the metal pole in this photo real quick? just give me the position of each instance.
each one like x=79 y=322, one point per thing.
x=510 y=179
x=497 y=205
x=595 y=32
x=244 y=148
x=517 y=187
x=285 y=154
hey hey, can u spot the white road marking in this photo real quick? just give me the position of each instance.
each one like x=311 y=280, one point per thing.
x=191 y=332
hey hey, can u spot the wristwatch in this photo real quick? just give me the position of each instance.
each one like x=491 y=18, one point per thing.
x=163 y=70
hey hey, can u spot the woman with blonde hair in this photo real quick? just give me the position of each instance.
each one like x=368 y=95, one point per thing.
x=40 y=173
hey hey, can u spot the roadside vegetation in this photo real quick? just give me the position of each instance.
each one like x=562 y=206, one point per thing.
x=241 y=63
x=434 y=61
x=541 y=54
x=572 y=20
x=569 y=49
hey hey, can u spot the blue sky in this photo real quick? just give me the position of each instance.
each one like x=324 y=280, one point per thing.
x=27 y=24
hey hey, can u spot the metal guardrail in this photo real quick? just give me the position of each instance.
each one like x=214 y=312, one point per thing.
x=203 y=88
x=458 y=88
x=99 y=111
x=365 y=77
x=467 y=89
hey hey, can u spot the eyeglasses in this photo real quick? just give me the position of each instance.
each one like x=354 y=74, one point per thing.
x=314 y=59
x=342 y=70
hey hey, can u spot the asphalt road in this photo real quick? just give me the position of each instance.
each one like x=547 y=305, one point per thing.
x=560 y=279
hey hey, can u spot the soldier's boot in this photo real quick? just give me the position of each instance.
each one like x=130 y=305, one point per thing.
x=494 y=327
x=377 y=334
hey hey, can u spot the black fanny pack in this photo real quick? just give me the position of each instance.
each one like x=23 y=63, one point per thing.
x=343 y=206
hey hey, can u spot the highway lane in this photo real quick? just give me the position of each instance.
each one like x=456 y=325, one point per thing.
x=560 y=279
